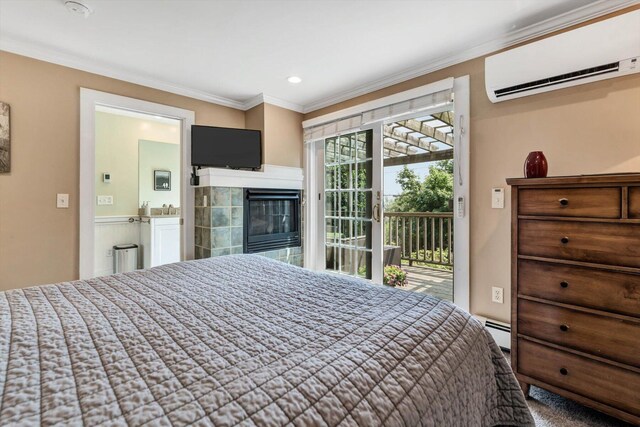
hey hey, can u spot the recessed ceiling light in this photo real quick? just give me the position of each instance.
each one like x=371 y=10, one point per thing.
x=79 y=7
x=294 y=79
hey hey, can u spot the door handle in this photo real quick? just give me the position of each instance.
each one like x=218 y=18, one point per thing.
x=376 y=212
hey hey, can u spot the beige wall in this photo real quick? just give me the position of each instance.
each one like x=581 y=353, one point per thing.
x=254 y=118
x=593 y=128
x=117 y=152
x=281 y=134
x=39 y=243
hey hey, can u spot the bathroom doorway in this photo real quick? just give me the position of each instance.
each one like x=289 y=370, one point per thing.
x=137 y=183
x=136 y=204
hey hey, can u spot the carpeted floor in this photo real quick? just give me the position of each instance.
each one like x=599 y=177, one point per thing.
x=551 y=410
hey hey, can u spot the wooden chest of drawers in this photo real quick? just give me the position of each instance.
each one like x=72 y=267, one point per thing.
x=575 y=307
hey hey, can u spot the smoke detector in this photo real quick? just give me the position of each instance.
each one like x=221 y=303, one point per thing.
x=79 y=7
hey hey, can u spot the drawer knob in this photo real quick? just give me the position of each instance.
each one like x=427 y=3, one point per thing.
x=564 y=202
x=564 y=328
x=564 y=371
x=564 y=240
x=564 y=284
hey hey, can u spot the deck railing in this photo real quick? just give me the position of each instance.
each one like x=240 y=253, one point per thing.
x=423 y=237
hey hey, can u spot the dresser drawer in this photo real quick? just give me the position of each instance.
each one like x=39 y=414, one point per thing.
x=571 y=202
x=598 y=381
x=587 y=287
x=607 y=337
x=634 y=202
x=600 y=243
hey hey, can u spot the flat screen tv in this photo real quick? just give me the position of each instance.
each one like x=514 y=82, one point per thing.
x=225 y=147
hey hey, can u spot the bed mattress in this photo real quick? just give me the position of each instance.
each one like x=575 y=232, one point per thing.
x=247 y=340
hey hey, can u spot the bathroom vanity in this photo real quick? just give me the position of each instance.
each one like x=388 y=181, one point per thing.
x=160 y=239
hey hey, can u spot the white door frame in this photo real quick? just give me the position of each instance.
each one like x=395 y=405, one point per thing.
x=89 y=99
x=314 y=257
x=461 y=171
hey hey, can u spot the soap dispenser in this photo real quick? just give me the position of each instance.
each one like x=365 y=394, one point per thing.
x=147 y=209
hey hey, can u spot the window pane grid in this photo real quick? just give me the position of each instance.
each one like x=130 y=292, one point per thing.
x=348 y=194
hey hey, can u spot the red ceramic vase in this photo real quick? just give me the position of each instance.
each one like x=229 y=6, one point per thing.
x=536 y=165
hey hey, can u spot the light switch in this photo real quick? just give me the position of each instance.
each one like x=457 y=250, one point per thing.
x=497 y=198
x=62 y=201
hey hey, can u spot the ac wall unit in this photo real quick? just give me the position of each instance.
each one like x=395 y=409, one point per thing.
x=606 y=49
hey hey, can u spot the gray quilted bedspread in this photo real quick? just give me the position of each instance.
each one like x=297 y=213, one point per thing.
x=246 y=340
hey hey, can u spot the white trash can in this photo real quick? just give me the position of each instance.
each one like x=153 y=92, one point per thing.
x=125 y=258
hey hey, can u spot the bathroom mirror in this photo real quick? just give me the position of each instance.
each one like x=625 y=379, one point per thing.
x=158 y=173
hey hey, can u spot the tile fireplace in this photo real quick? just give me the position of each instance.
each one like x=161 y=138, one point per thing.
x=235 y=220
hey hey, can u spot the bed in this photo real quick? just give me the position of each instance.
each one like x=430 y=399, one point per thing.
x=247 y=340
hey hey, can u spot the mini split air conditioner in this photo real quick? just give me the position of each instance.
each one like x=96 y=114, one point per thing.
x=606 y=49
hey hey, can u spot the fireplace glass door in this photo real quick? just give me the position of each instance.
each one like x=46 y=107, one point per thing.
x=272 y=219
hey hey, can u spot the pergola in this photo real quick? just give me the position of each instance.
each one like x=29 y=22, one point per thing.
x=423 y=139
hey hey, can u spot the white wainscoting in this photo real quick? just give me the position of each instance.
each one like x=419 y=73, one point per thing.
x=111 y=231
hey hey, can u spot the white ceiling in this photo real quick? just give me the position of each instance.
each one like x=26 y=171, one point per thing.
x=231 y=51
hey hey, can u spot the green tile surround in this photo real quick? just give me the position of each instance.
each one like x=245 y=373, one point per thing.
x=218 y=226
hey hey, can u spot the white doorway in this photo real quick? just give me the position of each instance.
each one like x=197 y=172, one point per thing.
x=344 y=165
x=149 y=127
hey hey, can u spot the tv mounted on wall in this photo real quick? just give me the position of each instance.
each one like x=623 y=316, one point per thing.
x=225 y=147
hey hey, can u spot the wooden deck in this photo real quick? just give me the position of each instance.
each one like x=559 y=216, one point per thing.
x=427 y=280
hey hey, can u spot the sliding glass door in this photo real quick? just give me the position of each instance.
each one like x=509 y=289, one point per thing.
x=414 y=230
x=351 y=204
x=409 y=151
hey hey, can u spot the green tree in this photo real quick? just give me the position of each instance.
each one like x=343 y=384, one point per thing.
x=431 y=195
x=408 y=200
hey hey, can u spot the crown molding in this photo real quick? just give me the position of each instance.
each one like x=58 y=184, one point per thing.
x=559 y=22
x=41 y=53
x=46 y=54
x=253 y=102
x=577 y=16
x=266 y=99
x=283 y=103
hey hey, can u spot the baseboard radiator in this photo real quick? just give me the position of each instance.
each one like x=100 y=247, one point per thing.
x=500 y=331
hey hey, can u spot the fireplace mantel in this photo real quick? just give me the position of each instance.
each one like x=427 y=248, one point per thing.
x=271 y=176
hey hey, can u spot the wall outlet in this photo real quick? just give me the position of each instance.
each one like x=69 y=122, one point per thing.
x=62 y=200
x=109 y=253
x=105 y=200
x=497 y=295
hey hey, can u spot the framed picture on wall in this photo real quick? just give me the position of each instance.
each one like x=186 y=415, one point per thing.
x=5 y=138
x=161 y=180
